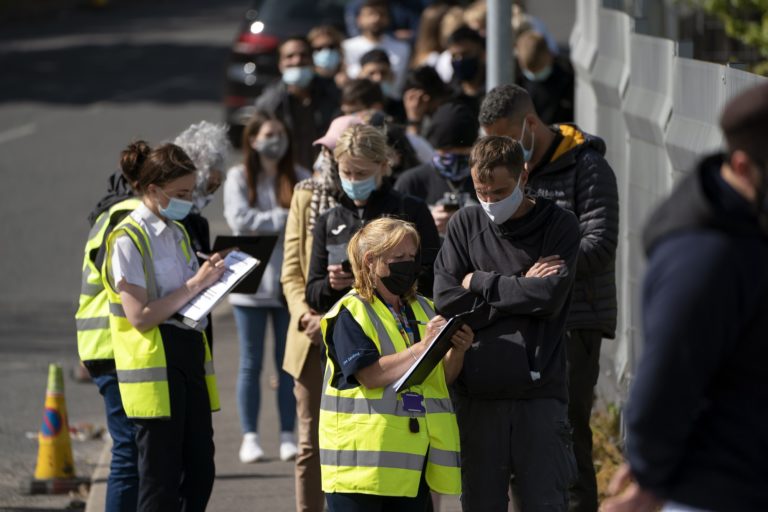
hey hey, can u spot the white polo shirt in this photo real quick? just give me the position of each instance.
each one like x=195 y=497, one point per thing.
x=168 y=260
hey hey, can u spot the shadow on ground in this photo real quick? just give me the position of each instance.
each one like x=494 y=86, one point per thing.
x=79 y=75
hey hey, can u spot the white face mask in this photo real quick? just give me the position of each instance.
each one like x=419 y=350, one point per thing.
x=501 y=211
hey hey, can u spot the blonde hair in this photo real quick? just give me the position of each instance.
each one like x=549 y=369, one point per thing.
x=374 y=239
x=452 y=20
x=475 y=14
x=364 y=141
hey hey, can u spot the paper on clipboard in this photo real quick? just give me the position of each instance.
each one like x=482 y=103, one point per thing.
x=238 y=265
x=430 y=358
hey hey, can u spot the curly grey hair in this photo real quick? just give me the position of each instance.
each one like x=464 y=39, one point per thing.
x=206 y=144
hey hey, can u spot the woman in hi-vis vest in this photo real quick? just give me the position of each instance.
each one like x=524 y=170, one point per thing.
x=379 y=449
x=164 y=367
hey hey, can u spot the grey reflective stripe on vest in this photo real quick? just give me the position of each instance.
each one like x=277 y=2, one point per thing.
x=89 y=324
x=444 y=457
x=88 y=288
x=387 y=347
x=209 y=368
x=425 y=306
x=142 y=375
x=100 y=221
x=375 y=459
x=116 y=309
x=146 y=256
x=388 y=404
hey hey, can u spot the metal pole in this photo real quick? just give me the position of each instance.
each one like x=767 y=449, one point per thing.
x=499 y=68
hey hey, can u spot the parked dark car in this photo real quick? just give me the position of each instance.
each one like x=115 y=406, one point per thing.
x=253 y=60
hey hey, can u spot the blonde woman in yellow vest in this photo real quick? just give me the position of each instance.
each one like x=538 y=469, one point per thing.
x=380 y=450
x=164 y=367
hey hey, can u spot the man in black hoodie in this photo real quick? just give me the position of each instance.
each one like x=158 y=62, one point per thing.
x=697 y=422
x=513 y=260
x=567 y=166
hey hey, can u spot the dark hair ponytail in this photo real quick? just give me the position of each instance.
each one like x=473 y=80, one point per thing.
x=145 y=166
x=132 y=159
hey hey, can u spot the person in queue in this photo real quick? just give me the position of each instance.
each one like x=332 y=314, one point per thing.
x=380 y=450
x=305 y=102
x=363 y=158
x=163 y=366
x=567 y=165
x=326 y=53
x=445 y=182
x=257 y=195
x=311 y=198
x=207 y=145
x=512 y=260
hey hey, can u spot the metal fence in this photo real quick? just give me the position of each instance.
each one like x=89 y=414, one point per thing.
x=657 y=113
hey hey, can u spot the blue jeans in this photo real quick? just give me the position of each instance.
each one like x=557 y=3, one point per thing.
x=123 y=481
x=251 y=325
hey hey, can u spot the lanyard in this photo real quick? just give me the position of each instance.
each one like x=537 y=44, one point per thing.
x=402 y=325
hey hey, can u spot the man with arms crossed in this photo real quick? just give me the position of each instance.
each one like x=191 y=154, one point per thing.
x=513 y=260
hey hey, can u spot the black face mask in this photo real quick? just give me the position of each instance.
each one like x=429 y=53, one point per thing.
x=402 y=275
x=465 y=70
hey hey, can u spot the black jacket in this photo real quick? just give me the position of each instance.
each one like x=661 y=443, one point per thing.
x=325 y=101
x=697 y=418
x=577 y=177
x=426 y=182
x=334 y=229
x=552 y=98
x=520 y=322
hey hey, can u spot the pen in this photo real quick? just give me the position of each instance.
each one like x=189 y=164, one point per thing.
x=203 y=255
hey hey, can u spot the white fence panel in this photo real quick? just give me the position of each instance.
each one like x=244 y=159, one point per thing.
x=583 y=54
x=647 y=109
x=698 y=96
x=610 y=77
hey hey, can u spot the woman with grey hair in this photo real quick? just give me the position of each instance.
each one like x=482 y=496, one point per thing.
x=206 y=144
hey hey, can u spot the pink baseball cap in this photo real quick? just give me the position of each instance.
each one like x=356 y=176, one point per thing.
x=335 y=130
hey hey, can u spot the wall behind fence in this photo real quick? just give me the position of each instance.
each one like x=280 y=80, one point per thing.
x=658 y=114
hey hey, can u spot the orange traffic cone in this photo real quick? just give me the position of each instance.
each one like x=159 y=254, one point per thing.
x=55 y=471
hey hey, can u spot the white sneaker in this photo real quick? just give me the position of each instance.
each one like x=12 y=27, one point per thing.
x=288 y=449
x=250 y=451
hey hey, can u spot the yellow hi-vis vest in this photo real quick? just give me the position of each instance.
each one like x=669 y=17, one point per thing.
x=366 y=445
x=140 y=356
x=94 y=341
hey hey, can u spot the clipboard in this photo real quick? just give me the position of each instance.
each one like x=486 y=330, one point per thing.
x=423 y=366
x=238 y=266
x=259 y=246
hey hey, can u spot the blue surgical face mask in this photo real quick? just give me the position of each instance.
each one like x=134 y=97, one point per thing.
x=327 y=59
x=359 y=190
x=538 y=76
x=298 y=76
x=527 y=153
x=177 y=208
x=501 y=211
x=452 y=166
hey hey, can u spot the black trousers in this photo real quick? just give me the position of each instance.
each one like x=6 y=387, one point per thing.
x=583 y=371
x=530 y=439
x=176 y=468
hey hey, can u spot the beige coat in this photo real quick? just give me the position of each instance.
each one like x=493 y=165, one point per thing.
x=296 y=253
